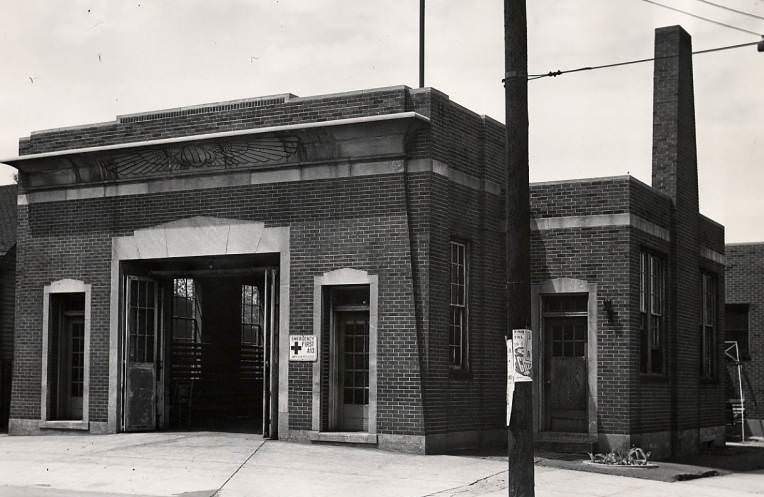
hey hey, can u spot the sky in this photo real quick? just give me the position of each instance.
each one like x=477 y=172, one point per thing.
x=73 y=62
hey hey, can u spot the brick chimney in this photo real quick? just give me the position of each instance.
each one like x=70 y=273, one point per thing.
x=675 y=173
x=675 y=169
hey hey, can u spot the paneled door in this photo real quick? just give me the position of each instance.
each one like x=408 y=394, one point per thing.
x=565 y=374
x=142 y=321
x=353 y=331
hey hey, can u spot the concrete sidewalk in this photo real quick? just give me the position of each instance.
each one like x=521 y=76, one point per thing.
x=200 y=464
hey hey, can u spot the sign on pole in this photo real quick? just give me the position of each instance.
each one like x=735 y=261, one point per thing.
x=519 y=363
x=302 y=348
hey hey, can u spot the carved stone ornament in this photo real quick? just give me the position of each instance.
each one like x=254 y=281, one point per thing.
x=164 y=161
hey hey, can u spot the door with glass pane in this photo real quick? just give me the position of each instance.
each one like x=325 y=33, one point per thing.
x=565 y=369
x=142 y=319
x=73 y=339
x=353 y=331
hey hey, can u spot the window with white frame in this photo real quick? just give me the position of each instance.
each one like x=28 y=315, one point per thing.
x=708 y=324
x=458 y=332
x=652 y=306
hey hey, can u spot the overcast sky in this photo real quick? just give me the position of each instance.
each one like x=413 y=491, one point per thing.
x=73 y=62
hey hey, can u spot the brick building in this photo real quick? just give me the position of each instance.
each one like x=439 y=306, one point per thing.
x=163 y=255
x=621 y=273
x=744 y=324
x=172 y=263
x=7 y=295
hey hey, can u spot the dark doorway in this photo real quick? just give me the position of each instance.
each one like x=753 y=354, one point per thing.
x=66 y=357
x=350 y=358
x=565 y=368
x=213 y=331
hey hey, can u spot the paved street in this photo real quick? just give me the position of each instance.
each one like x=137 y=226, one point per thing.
x=199 y=464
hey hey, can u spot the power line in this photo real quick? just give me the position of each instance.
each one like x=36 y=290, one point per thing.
x=703 y=18
x=732 y=10
x=554 y=74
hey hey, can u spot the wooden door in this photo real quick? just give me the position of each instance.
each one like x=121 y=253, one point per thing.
x=141 y=337
x=566 y=390
x=71 y=367
x=353 y=341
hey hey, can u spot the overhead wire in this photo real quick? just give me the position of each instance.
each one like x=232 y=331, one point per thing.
x=730 y=26
x=742 y=12
x=554 y=74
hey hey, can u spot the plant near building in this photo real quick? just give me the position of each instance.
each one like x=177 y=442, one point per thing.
x=634 y=457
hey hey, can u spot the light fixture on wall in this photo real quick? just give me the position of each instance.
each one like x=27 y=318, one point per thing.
x=608 y=305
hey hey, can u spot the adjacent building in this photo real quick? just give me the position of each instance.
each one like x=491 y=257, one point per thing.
x=628 y=293
x=331 y=269
x=744 y=326
x=7 y=295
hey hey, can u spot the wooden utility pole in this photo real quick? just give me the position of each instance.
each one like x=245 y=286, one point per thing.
x=421 y=43
x=520 y=431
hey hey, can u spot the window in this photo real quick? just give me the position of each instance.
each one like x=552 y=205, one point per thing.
x=652 y=306
x=251 y=315
x=186 y=311
x=142 y=320
x=708 y=324
x=565 y=324
x=736 y=323
x=457 y=339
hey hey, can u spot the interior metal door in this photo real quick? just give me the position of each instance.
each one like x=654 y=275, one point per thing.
x=142 y=318
x=270 y=353
x=566 y=387
x=353 y=328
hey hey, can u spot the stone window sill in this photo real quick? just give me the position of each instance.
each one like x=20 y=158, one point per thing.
x=348 y=437
x=65 y=425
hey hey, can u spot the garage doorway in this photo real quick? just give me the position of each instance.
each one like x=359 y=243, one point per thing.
x=199 y=347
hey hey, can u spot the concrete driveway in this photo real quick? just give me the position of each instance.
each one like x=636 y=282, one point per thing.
x=200 y=464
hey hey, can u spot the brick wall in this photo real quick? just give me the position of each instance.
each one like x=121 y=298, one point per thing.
x=579 y=197
x=220 y=118
x=711 y=234
x=596 y=255
x=628 y=403
x=745 y=285
x=359 y=223
x=458 y=401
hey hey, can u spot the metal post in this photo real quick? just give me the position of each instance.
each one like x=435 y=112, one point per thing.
x=520 y=432
x=742 y=400
x=421 y=43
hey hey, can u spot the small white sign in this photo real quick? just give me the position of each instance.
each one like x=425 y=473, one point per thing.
x=302 y=348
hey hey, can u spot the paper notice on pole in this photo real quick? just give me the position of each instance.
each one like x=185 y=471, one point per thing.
x=519 y=363
x=522 y=348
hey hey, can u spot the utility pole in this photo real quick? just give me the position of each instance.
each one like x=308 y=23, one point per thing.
x=520 y=430
x=421 y=43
